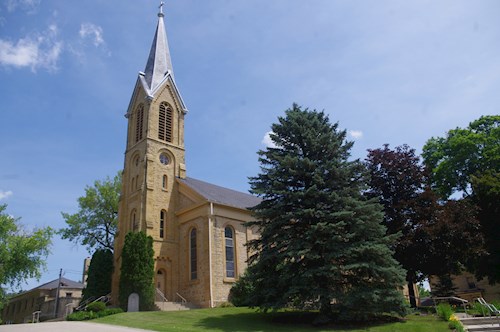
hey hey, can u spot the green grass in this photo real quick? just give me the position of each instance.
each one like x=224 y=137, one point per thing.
x=248 y=320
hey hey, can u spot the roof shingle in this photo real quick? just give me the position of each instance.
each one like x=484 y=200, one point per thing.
x=221 y=195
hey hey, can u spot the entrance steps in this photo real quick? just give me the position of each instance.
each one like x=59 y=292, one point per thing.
x=480 y=324
x=173 y=306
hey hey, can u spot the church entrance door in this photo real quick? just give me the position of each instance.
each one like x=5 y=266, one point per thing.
x=161 y=282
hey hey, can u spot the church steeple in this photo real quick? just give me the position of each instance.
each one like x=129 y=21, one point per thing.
x=159 y=63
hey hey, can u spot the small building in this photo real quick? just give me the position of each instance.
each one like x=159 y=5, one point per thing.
x=467 y=287
x=20 y=308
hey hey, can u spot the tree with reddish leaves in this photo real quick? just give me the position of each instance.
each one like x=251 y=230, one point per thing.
x=436 y=237
x=397 y=179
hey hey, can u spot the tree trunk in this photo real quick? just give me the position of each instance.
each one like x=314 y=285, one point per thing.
x=325 y=306
x=411 y=290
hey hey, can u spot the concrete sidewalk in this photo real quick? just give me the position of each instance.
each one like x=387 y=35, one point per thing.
x=67 y=326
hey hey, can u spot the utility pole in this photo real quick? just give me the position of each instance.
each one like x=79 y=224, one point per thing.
x=56 y=303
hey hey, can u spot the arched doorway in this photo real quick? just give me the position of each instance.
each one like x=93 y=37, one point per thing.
x=161 y=282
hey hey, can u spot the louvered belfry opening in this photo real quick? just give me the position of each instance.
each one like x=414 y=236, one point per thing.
x=165 y=123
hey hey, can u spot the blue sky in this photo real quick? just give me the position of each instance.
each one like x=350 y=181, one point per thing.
x=388 y=71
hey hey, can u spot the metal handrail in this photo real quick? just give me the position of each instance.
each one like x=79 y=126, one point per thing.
x=183 y=300
x=162 y=296
x=491 y=308
x=69 y=306
x=36 y=314
x=104 y=298
x=84 y=303
x=450 y=298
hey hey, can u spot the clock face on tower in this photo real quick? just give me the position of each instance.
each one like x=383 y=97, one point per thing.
x=164 y=159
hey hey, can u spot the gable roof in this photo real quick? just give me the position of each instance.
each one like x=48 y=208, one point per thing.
x=65 y=283
x=221 y=195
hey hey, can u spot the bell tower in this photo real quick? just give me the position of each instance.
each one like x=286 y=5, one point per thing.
x=154 y=157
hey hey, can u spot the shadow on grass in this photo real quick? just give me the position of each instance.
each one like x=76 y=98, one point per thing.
x=279 y=321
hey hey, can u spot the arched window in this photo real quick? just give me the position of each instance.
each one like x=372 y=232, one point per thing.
x=139 y=122
x=164 y=182
x=133 y=183
x=165 y=123
x=192 y=254
x=133 y=221
x=163 y=217
x=229 y=244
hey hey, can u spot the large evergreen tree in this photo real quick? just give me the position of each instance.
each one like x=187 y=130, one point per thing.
x=322 y=243
x=99 y=274
x=137 y=270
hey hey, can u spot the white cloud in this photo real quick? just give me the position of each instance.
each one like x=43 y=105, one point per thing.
x=40 y=50
x=5 y=194
x=267 y=141
x=28 y=5
x=356 y=134
x=89 y=30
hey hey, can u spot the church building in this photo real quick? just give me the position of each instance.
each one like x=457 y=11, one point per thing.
x=197 y=227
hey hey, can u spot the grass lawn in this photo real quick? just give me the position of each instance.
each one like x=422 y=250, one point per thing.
x=248 y=320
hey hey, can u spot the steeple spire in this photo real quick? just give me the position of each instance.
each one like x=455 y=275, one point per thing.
x=159 y=63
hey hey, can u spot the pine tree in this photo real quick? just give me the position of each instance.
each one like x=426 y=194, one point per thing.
x=99 y=274
x=137 y=270
x=322 y=243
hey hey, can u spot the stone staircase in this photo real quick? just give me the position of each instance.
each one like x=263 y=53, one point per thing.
x=480 y=324
x=162 y=304
x=173 y=306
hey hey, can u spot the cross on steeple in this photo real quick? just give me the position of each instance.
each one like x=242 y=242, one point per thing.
x=161 y=8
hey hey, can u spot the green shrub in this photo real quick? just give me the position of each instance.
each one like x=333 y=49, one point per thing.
x=476 y=309
x=225 y=305
x=456 y=325
x=96 y=306
x=112 y=311
x=444 y=311
x=241 y=292
x=81 y=315
x=137 y=270
x=87 y=315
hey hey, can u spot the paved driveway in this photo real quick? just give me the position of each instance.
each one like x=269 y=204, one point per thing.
x=66 y=326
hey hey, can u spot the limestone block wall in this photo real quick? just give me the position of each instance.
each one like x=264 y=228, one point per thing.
x=196 y=290
x=221 y=283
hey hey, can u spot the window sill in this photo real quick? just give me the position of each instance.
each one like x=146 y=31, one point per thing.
x=229 y=280
x=194 y=281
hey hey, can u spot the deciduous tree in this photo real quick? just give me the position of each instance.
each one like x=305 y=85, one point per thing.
x=437 y=237
x=467 y=161
x=94 y=225
x=462 y=153
x=486 y=189
x=22 y=252
x=397 y=179
x=321 y=239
